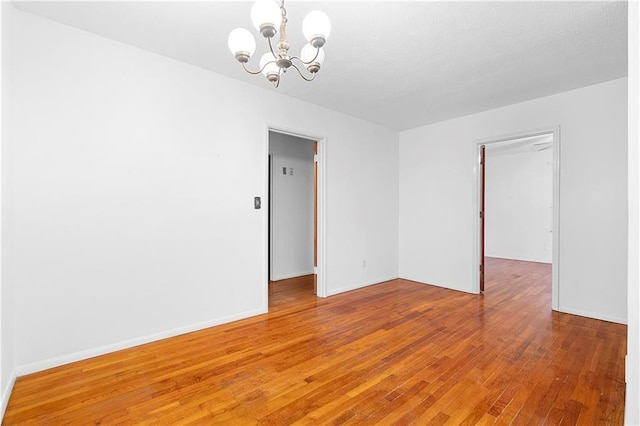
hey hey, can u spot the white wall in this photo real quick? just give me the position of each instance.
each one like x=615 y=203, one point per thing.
x=133 y=183
x=7 y=374
x=291 y=205
x=436 y=186
x=518 y=205
x=632 y=404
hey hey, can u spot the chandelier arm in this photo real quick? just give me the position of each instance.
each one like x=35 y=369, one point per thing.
x=279 y=78
x=302 y=75
x=249 y=71
x=303 y=62
x=271 y=49
x=311 y=61
x=259 y=71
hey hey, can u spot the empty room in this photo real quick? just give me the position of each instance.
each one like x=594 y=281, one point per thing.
x=366 y=212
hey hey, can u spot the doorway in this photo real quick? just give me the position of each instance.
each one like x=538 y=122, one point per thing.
x=295 y=218
x=537 y=152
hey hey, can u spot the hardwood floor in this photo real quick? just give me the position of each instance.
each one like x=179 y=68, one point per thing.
x=291 y=291
x=395 y=353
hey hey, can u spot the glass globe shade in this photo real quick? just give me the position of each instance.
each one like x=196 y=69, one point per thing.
x=309 y=52
x=270 y=68
x=316 y=24
x=266 y=12
x=241 y=40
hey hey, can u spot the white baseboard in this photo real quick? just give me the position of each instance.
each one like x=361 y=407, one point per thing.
x=90 y=353
x=292 y=275
x=6 y=393
x=359 y=285
x=448 y=287
x=521 y=259
x=578 y=312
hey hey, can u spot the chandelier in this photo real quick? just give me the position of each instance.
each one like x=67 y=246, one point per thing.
x=267 y=17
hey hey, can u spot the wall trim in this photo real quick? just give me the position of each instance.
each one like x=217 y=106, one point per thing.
x=520 y=260
x=35 y=367
x=445 y=286
x=6 y=393
x=591 y=315
x=291 y=275
x=361 y=285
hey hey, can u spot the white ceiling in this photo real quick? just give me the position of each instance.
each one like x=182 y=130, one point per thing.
x=400 y=64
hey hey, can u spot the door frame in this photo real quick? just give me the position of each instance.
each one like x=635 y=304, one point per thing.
x=481 y=207
x=320 y=270
x=555 y=265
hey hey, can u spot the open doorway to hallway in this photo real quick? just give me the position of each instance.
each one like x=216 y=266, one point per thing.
x=517 y=179
x=292 y=247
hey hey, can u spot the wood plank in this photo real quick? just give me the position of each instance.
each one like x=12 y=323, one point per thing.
x=399 y=352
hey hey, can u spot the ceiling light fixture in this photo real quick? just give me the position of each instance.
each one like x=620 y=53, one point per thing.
x=267 y=16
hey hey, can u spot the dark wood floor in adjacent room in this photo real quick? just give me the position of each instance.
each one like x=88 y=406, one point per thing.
x=395 y=353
